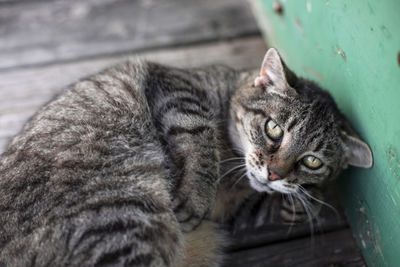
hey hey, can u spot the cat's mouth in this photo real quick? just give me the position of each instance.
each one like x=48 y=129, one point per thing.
x=262 y=184
x=257 y=184
x=263 y=178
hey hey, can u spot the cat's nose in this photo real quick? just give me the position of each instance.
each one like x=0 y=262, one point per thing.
x=272 y=176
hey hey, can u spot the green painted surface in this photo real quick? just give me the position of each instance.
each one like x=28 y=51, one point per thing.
x=352 y=49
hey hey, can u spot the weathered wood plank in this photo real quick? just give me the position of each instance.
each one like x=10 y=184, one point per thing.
x=333 y=249
x=53 y=35
x=23 y=91
x=46 y=31
x=271 y=233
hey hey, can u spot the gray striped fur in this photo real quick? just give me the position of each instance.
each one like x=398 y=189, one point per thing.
x=104 y=172
x=119 y=167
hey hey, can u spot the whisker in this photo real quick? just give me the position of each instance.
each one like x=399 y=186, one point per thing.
x=318 y=200
x=293 y=205
x=310 y=219
x=314 y=213
x=239 y=173
x=306 y=208
x=238 y=180
x=290 y=198
x=231 y=170
x=237 y=150
x=232 y=159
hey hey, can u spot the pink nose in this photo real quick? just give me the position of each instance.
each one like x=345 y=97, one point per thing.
x=273 y=176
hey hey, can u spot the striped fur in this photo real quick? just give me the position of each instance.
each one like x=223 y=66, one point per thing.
x=311 y=125
x=85 y=182
x=115 y=169
x=122 y=167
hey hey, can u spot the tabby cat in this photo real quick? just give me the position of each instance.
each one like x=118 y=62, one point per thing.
x=132 y=166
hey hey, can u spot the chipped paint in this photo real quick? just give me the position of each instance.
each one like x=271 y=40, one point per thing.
x=366 y=233
x=393 y=200
x=299 y=25
x=386 y=32
x=309 y=6
x=314 y=73
x=394 y=161
x=341 y=53
x=369 y=234
x=278 y=8
x=398 y=59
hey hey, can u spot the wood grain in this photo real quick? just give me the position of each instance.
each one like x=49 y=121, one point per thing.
x=47 y=44
x=333 y=249
x=39 y=32
x=23 y=91
x=271 y=233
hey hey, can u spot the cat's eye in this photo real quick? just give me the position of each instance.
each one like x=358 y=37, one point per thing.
x=273 y=130
x=312 y=162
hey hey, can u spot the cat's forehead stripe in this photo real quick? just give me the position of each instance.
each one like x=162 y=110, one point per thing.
x=291 y=124
x=318 y=147
x=256 y=111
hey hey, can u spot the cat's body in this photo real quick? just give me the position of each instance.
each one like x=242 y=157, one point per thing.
x=121 y=168
x=89 y=179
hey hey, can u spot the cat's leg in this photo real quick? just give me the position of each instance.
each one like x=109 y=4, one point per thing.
x=202 y=247
x=195 y=194
x=195 y=147
x=184 y=114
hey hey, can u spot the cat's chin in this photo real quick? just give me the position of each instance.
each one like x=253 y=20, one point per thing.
x=282 y=187
x=271 y=187
x=260 y=187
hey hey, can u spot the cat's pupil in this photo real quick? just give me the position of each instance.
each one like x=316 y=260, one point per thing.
x=273 y=130
x=312 y=162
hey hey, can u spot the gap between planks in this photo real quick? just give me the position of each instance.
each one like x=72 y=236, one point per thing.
x=23 y=91
x=41 y=32
x=332 y=249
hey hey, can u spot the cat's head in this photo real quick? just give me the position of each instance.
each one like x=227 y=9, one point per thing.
x=291 y=131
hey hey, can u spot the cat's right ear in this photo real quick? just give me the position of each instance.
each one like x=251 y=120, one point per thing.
x=274 y=72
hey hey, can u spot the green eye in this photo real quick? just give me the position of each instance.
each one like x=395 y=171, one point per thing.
x=312 y=162
x=273 y=130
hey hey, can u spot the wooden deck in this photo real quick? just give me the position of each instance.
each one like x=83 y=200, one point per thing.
x=48 y=44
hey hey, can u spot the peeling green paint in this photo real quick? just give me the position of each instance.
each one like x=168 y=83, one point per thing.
x=394 y=161
x=353 y=50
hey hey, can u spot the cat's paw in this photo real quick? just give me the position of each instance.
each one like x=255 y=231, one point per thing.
x=188 y=215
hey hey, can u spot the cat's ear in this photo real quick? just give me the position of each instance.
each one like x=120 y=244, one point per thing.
x=274 y=71
x=360 y=155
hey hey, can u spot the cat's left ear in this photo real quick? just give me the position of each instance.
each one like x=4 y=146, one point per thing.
x=360 y=155
x=274 y=72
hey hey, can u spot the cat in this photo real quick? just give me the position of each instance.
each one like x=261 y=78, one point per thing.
x=135 y=165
